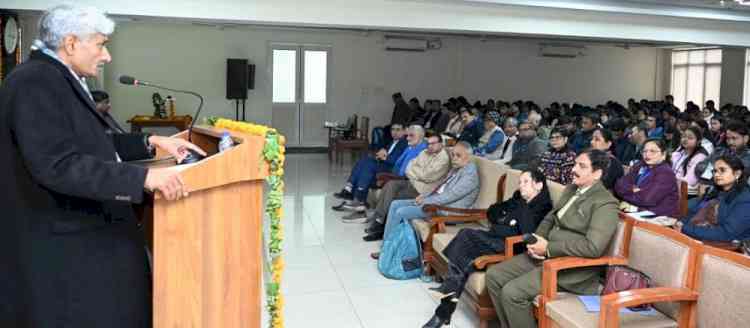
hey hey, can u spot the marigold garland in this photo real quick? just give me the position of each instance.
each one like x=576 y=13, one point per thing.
x=273 y=155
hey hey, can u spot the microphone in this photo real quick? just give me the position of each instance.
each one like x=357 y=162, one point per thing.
x=193 y=156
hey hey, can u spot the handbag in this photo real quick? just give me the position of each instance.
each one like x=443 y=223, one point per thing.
x=707 y=215
x=622 y=278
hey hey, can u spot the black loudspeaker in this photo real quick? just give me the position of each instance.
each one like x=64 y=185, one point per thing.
x=237 y=78
x=251 y=76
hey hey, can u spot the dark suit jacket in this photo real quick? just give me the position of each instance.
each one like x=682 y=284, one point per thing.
x=70 y=250
x=401 y=145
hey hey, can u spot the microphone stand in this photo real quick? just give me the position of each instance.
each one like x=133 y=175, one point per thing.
x=197 y=113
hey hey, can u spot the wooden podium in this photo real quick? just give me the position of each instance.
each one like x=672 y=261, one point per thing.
x=207 y=247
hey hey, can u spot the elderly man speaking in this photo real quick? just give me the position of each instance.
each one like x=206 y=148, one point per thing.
x=70 y=251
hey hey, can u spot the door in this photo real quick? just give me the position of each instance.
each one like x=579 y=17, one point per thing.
x=301 y=93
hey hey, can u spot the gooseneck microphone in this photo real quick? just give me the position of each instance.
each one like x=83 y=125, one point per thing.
x=194 y=156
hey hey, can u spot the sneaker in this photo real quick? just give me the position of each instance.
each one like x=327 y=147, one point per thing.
x=355 y=217
x=344 y=194
x=355 y=206
x=339 y=207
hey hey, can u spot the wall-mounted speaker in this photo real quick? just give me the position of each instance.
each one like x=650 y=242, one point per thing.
x=237 y=78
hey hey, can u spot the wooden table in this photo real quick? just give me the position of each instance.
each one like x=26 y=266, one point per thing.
x=180 y=123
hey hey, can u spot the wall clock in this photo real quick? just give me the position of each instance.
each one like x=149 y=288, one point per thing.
x=10 y=54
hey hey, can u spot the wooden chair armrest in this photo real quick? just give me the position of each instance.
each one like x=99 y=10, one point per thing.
x=728 y=246
x=432 y=208
x=482 y=262
x=553 y=266
x=609 y=317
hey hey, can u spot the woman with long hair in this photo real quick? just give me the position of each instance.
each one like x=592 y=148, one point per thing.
x=687 y=156
x=731 y=219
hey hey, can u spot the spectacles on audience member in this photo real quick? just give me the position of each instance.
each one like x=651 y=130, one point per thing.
x=721 y=170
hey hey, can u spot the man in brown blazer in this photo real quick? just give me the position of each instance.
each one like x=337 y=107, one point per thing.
x=582 y=224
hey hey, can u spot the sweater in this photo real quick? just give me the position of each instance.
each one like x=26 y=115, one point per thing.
x=658 y=189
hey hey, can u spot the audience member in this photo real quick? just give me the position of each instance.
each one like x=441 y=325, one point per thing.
x=583 y=225
x=651 y=184
x=602 y=139
x=705 y=130
x=402 y=112
x=505 y=153
x=736 y=139
x=717 y=135
x=493 y=136
x=725 y=213
x=653 y=130
x=423 y=174
x=637 y=138
x=518 y=215
x=364 y=171
x=687 y=156
x=473 y=127
x=459 y=189
x=526 y=148
x=672 y=138
x=557 y=162
x=455 y=125
x=581 y=140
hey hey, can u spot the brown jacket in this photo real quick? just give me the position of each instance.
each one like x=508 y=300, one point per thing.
x=427 y=170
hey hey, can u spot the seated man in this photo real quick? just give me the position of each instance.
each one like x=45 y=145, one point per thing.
x=103 y=106
x=582 y=224
x=493 y=135
x=423 y=173
x=365 y=170
x=459 y=189
x=737 y=137
x=473 y=127
x=527 y=147
x=363 y=183
x=504 y=153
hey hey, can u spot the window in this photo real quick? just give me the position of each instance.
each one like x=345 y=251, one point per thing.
x=284 y=76
x=316 y=69
x=696 y=76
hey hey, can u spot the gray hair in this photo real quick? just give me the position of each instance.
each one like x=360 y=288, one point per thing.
x=465 y=145
x=83 y=22
x=418 y=129
x=534 y=119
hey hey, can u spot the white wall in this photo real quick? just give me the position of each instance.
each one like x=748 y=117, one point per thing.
x=363 y=75
x=513 y=70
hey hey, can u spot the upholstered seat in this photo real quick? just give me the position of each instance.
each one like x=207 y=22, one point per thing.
x=652 y=250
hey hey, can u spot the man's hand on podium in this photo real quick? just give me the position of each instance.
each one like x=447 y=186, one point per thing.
x=166 y=181
x=175 y=146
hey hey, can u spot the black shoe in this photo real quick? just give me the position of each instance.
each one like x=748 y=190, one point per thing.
x=375 y=226
x=344 y=194
x=373 y=236
x=443 y=313
x=339 y=207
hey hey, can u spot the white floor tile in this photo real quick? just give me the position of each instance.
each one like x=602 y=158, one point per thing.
x=310 y=279
x=404 y=305
x=327 y=309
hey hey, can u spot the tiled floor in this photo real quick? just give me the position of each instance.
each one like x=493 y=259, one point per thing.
x=330 y=280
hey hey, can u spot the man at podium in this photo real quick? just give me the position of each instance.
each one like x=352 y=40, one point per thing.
x=70 y=251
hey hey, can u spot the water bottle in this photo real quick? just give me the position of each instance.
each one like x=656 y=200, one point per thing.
x=425 y=277
x=226 y=142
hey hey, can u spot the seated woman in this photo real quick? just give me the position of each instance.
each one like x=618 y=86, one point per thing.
x=732 y=197
x=687 y=157
x=519 y=215
x=650 y=184
x=557 y=163
x=602 y=139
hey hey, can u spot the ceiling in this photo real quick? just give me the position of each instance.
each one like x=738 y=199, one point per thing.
x=714 y=4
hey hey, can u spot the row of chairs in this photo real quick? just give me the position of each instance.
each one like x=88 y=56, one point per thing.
x=498 y=184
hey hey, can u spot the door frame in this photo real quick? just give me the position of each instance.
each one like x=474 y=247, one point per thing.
x=300 y=48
